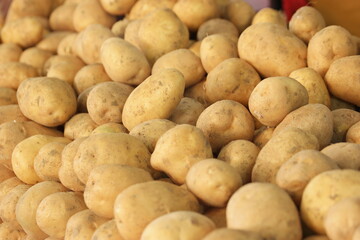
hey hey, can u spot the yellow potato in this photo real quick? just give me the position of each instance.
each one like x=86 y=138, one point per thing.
x=352 y=134
x=89 y=76
x=19 y=9
x=131 y=33
x=118 y=28
x=240 y=13
x=79 y=125
x=197 y=92
x=7 y=185
x=10 y=231
x=35 y=57
x=9 y=52
x=82 y=100
x=66 y=46
x=187 y=111
x=218 y=26
x=142 y=7
x=345 y=154
x=61 y=19
x=108 y=231
x=121 y=7
x=217 y=215
x=270 y=15
x=230 y=234
x=11 y=112
x=263 y=135
x=343 y=120
x=110 y=128
x=51 y=41
x=13 y=73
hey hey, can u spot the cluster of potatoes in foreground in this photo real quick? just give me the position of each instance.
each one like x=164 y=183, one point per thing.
x=177 y=119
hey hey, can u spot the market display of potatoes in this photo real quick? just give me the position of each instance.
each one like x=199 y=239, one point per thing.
x=177 y=120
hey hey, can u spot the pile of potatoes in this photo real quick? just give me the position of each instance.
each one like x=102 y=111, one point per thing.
x=177 y=119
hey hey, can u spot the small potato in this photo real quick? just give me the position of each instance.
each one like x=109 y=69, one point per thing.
x=263 y=135
x=217 y=215
x=11 y=112
x=275 y=97
x=187 y=111
x=89 y=12
x=190 y=225
x=106 y=101
x=240 y=13
x=241 y=155
x=88 y=76
x=314 y=84
x=13 y=73
x=9 y=52
x=327 y=45
x=110 y=128
x=343 y=120
x=65 y=205
x=197 y=92
x=133 y=69
x=35 y=57
x=114 y=178
x=79 y=125
x=213 y=181
x=277 y=217
x=150 y=131
x=131 y=33
x=345 y=154
x=5 y=173
x=231 y=234
x=178 y=149
x=48 y=101
x=183 y=60
x=283 y=145
x=118 y=28
x=195 y=48
x=65 y=47
x=257 y=46
x=156 y=97
x=82 y=100
x=61 y=19
x=108 y=231
x=342 y=79
x=225 y=121
x=19 y=9
x=132 y=215
x=7 y=185
x=232 y=79
x=337 y=103
x=9 y=231
x=51 y=41
x=142 y=7
x=216 y=48
x=121 y=7
x=305 y=22
x=295 y=173
x=352 y=134
x=270 y=15
x=218 y=26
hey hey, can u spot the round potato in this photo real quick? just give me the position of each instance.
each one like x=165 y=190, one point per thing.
x=343 y=120
x=51 y=40
x=79 y=125
x=89 y=76
x=121 y=7
x=240 y=13
x=110 y=128
x=10 y=52
x=10 y=231
x=35 y=57
x=108 y=231
x=270 y=15
x=187 y=111
x=231 y=234
x=11 y=112
x=218 y=26
x=67 y=45
x=7 y=96
x=142 y=7
x=345 y=154
x=61 y=19
x=217 y=215
x=13 y=73
x=352 y=134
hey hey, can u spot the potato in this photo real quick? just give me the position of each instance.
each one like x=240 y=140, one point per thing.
x=216 y=48
x=328 y=188
x=283 y=145
x=218 y=26
x=342 y=80
x=132 y=214
x=317 y=237
x=156 y=97
x=118 y=7
x=337 y=103
x=13 y=73
x=276 y=217
x=183 y=60
x=345 y=154
x=240 y=13
x=345 y=212
x=10 y=52
x=305 y=22
x=232 y=79
x=225 y=121
x=213 y=181
x=178 y=149
x=28 y=203
x=48 y=101
x=134 y=67
x=257 y=46
x=48 y=161
x=55 y=210
x=82 y=225
x=61 y=19
x=79 y=125
x=195 y=48
x=5 y=173
x=150 y=131
x=313 y=118
x=241 y=155
x=262 y=136
x=107 y=230
x=82 y=100
x=89 y=12
x=352 y=134
x=7 y=185
x=9 y=231
x=270 y=15
x=110 y=148
x=66 y=47
x=11 y=112
x=131 y=33
x=89 y=76
x=327 y=45
x=197 y=92
x=190 y=225
x=51 y=41
x=114 y=178
x=295 y=173
x=343 y=120
x=142 y=7
x=66 y=172
x=274 y=97
x=110 y=128
x=106 y=101
x=187 y=111
x=356 y=234
x=35 y=57
x=118 y=28
x=217 y=215
x=24 y=154
x=21 y=8
x=314 y=84
x=230 y=234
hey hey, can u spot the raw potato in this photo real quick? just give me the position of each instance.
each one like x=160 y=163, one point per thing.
x=110 y=128
x=337 y=103
x=352 y=134
x=61 y=19
x=305 y=22
x=150 y=131
x=139 y=204
x=266 y=209
x=142 y=7
x=275 y=97
x=156 y=97
x=187 y=224
x=120 y=7
x=19 y=9
x=232 y=79
x=7 y=185
x=79 y=125
x=270 y=15
x=131 y=33
x=9 y=231
x=263 y=135
x=9 y=52
x=283 y=145
x=106 y=100
x=89 y=76
x=114 y=178
x=13 y=73
x=241 y=155
x=51 y=41
x=213 y=181
x=342 y=79
x=29 y=202
x=133 y=69
x=327 y=45
x=325 y=190
x=178 y=149
x=231 y=234
x=118 y=28
x=344 y=119
x=218 y=25
x=35 y=57
x=48 y=101
x=314 y=84
x=187 y=111
x=345 y=154
x=5 y=173
x=217 y=215
x=11 y=113
x=295 y=173
x=108 y=231
x=225 y=121
x=197 y=92
x=263 y=46
x=240 y=13
x=82 y=225
x=82 y=100
x=67 y=45
x=55 y=210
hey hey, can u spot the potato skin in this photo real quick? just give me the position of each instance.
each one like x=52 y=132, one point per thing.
x=352 y=134
x=107 y=230
x=345 y=154
x=12 y=74
x=230 y=234
x=344 y=119
x=10 y=52
x=269 y=15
